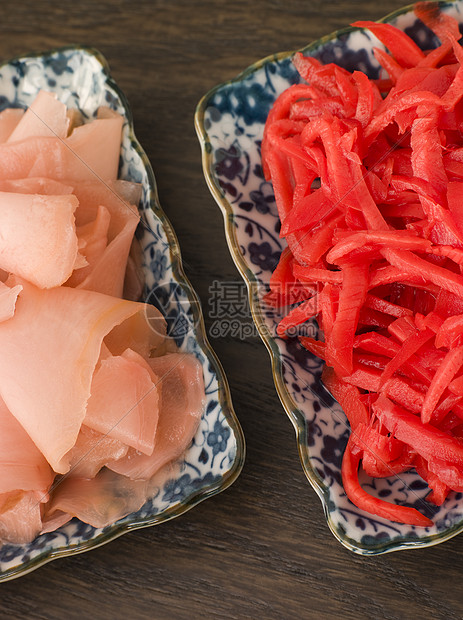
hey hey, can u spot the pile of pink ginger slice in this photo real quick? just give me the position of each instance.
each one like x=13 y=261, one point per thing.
x=94 y=397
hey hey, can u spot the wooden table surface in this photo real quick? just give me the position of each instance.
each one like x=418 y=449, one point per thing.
x=262 y=548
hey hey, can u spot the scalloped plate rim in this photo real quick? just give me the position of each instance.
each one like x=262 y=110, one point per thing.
x=224 y=395
x=290 y=407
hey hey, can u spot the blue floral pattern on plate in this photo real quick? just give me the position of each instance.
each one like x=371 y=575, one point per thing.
x=230 y=121
x=80 y=77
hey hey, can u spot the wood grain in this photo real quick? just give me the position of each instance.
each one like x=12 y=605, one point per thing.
x=262 y=548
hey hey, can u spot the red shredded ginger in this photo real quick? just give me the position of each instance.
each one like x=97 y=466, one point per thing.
x=368 y=179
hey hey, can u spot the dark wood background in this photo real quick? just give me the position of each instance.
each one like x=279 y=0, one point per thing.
x=262 y=548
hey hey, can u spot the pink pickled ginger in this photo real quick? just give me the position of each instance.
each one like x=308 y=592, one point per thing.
x=94 y=398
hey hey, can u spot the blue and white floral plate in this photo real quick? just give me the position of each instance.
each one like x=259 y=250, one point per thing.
x=230 y=121
x=81 y=79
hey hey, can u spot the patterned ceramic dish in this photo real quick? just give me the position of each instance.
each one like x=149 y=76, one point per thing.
x=230 y=121
x=81 y=79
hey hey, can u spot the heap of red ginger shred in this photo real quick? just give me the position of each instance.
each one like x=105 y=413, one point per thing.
x=368 y=179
